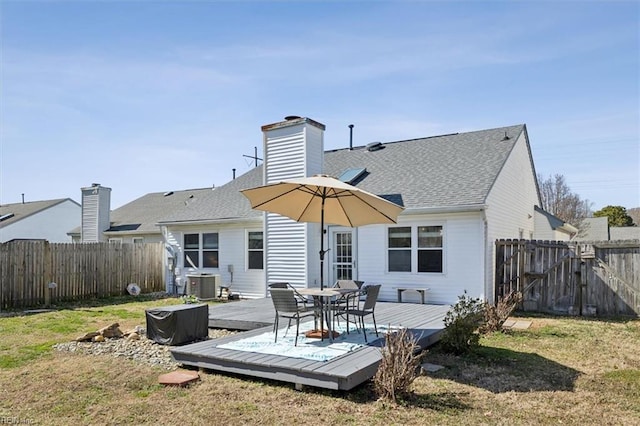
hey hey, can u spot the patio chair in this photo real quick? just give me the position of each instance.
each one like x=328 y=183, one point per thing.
x=347 y=300
x=286 y=306
x=368 y=308
x=301 y=299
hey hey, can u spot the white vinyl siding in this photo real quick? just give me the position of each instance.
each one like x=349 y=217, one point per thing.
x=544 y=231
x=255 y=250
x=232 y=257
x=96 y=205
x=415 y=249
x=463 y=259
x=286 y=251
x=511 y=204
x=291 y=249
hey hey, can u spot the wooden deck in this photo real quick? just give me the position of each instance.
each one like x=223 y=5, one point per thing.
x=343 y=373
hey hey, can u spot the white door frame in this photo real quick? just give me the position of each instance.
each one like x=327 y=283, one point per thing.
x=336 y=252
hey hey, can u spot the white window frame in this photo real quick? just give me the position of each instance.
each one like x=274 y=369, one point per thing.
x=419 y=249
x=389 y=250
x=115 y=240
x=137 y=240
x=415 y=249
x=200 y=250
x=247 y=249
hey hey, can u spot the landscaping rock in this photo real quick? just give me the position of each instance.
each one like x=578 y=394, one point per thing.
x=431 y=368
x=87 y=337
x=111 y=331
x=141 y=350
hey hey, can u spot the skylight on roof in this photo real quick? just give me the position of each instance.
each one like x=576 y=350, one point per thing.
x=350 y=175
x=6 y=216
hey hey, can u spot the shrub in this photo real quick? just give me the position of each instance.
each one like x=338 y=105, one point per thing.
x=495 y=316
x=462 y=323
x=189 y=299
x=398 y=367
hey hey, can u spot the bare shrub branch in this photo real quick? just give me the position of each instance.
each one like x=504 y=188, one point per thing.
x=495 y=316
x=398 y=367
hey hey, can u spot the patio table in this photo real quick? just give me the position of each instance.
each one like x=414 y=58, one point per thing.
x=325 y=296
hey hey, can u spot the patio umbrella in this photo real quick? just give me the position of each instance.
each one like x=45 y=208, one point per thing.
x=323 y=199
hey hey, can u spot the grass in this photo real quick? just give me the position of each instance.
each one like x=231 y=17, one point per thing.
x=561 y=370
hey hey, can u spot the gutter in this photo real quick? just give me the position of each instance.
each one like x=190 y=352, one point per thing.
x=257 y=219
x=444 y=209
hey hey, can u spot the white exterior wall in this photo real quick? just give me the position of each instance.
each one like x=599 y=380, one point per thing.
x=291 y=150
x=51 y=224
x=232 y=250
x=463 y=258
x=96 y=210
x=544 y=231
x=511 y=201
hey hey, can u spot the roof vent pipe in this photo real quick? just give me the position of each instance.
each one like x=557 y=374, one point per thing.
x=234 y=174
x=350 y=137
x=506 y=138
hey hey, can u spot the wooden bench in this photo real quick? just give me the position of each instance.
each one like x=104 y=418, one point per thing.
x=401 y=290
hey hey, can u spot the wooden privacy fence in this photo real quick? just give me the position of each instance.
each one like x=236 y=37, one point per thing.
x=27 y=269
x=578 y=278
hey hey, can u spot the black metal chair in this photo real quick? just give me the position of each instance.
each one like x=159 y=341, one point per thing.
x=286 y=306
x=368 y=308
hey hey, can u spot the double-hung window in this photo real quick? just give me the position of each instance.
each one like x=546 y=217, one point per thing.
x=201 y=250
x=429 y=248
x=415 y=249
x=255 y=250
x=400 y=249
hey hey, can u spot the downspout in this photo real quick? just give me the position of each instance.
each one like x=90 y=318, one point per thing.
x=488 y=272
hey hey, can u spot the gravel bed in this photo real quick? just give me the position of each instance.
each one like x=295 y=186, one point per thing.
x=143 y=350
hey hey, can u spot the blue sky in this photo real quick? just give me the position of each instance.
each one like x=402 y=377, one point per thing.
x=146 y=96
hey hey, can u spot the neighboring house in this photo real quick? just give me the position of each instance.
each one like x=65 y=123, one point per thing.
x=624 y=233
x=461 y=192
x=40 y=220
x=552 y=228
x=597 y=229
x=594 y=229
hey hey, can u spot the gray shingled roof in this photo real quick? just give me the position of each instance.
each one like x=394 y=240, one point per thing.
x=141 y=215
x=23 y=210
x=442 y=171
x=225 y=202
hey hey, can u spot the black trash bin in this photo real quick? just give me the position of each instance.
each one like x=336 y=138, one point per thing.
x=178 y=324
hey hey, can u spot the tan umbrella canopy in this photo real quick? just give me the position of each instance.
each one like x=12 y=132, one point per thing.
x=323 y=199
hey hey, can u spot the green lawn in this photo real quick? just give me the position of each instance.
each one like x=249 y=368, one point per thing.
x=560 y=371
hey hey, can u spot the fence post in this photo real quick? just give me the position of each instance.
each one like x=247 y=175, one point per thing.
x=47 y=274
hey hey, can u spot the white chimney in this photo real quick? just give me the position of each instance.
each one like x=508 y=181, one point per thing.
x=293 y=148
x=96 y=207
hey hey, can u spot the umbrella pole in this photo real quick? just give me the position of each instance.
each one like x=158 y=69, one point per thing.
x=322 y=266
x=322 y=245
